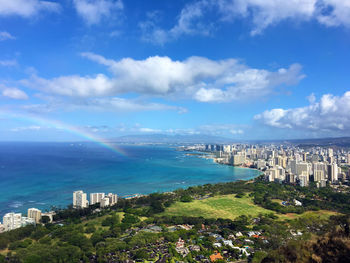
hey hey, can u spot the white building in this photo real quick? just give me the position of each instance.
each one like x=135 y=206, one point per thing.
x=12 y=221
x=96 y=198
x=104 y=202
x=333 y=172
x=80 y=200
x=238 y=159
x=2 y=228
x=50 y=215
x=27 y=221
x=113 y=199
x=35 y=214
x=319 y=171
x=303 y=180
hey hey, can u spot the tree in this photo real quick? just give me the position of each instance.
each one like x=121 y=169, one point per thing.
x=186 y=198
x=45 y=219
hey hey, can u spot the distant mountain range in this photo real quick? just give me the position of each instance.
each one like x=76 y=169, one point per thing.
x=178 y=139
x=339 y=141
x=210 y=139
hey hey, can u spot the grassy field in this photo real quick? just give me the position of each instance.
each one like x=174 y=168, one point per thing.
x=321 y=214
x=225 y=206
x=230 y=207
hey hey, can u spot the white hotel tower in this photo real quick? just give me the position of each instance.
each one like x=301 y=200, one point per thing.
x=80 y=200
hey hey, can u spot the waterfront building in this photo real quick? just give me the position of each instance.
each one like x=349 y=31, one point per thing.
x=113 y=199
x=104 y=202
x=238 y=159
x=227 y=148
x=12 y=221
x=35 y=214
x=96 y=198
x=261 y=164
x=49 y=215
x=80 y=200
x=27 y=221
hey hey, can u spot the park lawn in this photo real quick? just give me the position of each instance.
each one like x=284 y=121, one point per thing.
x=223 y=206
x=321 y=214
x=279 y=201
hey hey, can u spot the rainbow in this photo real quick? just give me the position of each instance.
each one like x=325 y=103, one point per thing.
x=66 y=127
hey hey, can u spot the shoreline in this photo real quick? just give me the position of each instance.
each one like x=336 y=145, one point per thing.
x=214 y=159
x=65 y=202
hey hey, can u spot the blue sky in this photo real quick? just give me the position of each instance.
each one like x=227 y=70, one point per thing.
x=239 y=69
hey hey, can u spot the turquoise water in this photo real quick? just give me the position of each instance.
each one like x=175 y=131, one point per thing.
x=44 y=174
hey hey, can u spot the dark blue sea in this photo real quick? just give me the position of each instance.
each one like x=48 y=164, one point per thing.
x=42 y=175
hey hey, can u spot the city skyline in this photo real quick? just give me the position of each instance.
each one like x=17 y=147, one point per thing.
x=81 y=69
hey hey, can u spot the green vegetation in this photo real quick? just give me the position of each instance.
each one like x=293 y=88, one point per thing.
x=222 y=206
x=247 y=214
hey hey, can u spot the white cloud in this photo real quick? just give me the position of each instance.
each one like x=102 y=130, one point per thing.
x=97 y=129
x=14 y=93
x=128 y=105
x=93 y=11
x=223 y=129
x=234 y=132
x=149 y=130
x=5 y=35
x=27 y=8
x=331 y=113
x=106 y=104
x=196 y=77
x=339 y=14
x=27 y=128
x=202 y=16
x=8 y=63
x=267 y=12
x=189 y=22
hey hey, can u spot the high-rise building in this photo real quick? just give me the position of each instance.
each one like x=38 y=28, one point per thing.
x=238 y=159
x=330 y=152
x=80 y=200
x=303 y=168
x=12 y=221
x=113 y=199
x=96 y=198
x=272 y=174
x=304 y=157
x=291 y=178
x=293 y=166
x=333 y=172
x=227 y=148
x=303 y=180
x=319 y=172
x=35 y=214
x=261 y=164
x=104 y=202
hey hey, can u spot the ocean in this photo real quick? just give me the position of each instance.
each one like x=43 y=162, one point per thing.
x=42 y=175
